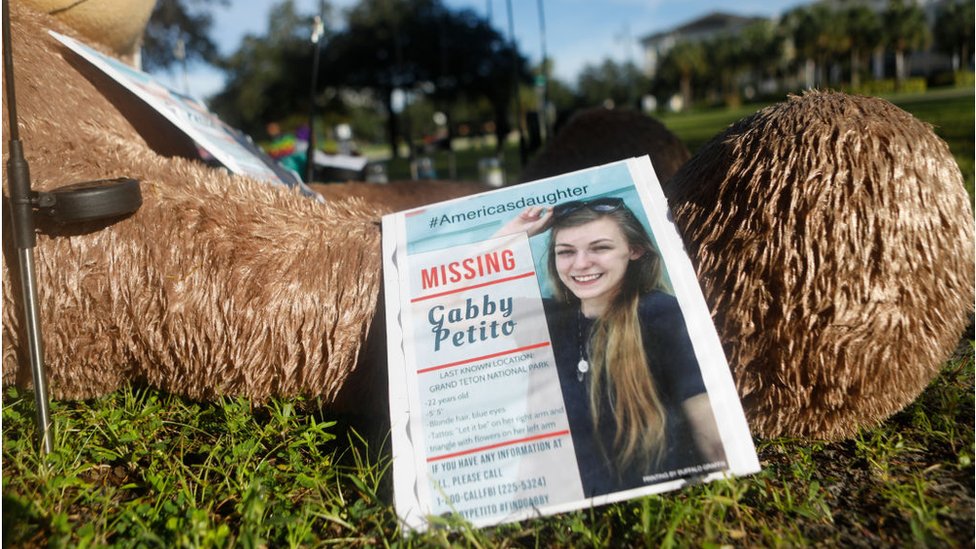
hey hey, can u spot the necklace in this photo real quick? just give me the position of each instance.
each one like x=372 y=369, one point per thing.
x=583 y=366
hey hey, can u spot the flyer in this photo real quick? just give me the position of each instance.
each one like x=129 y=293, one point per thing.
x=228 y=146
x=549 y=350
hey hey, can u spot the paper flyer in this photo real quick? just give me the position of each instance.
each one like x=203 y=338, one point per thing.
x=550 y=350
x=226 y=145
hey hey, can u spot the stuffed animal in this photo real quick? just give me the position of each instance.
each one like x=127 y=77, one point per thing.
x=599 y=135
x=221 y=285
x=117 y=25
x=833 y=239
x=217 y=285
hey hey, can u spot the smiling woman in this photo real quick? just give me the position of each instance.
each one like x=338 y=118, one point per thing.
x=592 y=258
x=631 y=383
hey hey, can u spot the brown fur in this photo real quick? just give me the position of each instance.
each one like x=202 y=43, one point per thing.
x=217 y=285
x=116 y=24
x=597 y=136
x=834 y=241
x=396 y=196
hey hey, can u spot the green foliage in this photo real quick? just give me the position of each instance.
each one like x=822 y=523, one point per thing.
x=954 y=29
x=622 y=84
x=905 y=26
x=912 y=85
x=964 y=79
x=889 y=86
x=142 y=467
x=268 y=77
x=139 y=467
x=873 y=87
x=684 y=63
x=172 y=21
x=422 y=46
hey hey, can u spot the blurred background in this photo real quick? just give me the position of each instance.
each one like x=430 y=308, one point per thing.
x=471 y=89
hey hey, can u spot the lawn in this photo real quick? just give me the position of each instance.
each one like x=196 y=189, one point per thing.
x=143 y=468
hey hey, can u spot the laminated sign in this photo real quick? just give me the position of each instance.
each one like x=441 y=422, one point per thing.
x=550 y=350
x=215 y=141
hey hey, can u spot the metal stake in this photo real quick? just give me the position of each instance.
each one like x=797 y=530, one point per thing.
x=22 y=217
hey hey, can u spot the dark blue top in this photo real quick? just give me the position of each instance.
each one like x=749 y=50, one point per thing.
x=676 y=375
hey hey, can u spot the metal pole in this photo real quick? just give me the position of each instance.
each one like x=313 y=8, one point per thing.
x=22 y=218
x=179 y=52
x=42 y=416
x=523 y=153
x=544 y=110
x=317 y=30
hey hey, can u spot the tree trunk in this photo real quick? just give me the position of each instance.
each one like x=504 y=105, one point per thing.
x=855 y=68
x=392 y=124
x=685 y=91
x=899 y=67
x=502 y=126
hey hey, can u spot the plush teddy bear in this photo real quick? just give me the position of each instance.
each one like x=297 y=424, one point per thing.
x=218 y=284
x=117 y=25
x=222 y=285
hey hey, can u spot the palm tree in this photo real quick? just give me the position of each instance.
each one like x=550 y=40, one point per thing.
x=762 y=49
x=811 y=29
x=954 y=31
x=686 y=60
x=863 y=26
x=906 y=30
x=725 y=57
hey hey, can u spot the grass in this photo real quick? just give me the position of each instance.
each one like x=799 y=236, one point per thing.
x=138 y=467
x=143 y=468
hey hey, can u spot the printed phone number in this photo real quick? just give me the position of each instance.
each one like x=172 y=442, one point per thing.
x=522 y=485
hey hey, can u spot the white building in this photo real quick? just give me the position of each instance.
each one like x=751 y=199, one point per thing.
x=715 y=24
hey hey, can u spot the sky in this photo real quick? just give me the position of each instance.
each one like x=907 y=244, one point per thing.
x=578 y=33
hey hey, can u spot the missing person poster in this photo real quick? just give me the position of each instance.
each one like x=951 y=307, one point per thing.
x=214 y=139
x=550 y=350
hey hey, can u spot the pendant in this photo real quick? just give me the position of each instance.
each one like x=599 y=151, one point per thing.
x=582 y=368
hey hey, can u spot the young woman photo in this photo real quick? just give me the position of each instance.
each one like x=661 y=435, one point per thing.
x=633 y=390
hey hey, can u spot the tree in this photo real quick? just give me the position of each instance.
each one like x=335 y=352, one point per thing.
x=762 y=45
x=683 y=63
x=726 y=61
x=409 y=46
x=621 y=84
x=954 y=31
x=173 y=21
x=813 y=31
x=863 y=26
x=268 y=77
x=906 y=30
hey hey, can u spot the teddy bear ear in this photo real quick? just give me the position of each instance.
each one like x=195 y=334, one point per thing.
x=117 y=25
x=834 y=240
x=599 y=135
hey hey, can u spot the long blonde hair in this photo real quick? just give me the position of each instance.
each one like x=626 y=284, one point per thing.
x=617 y=359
